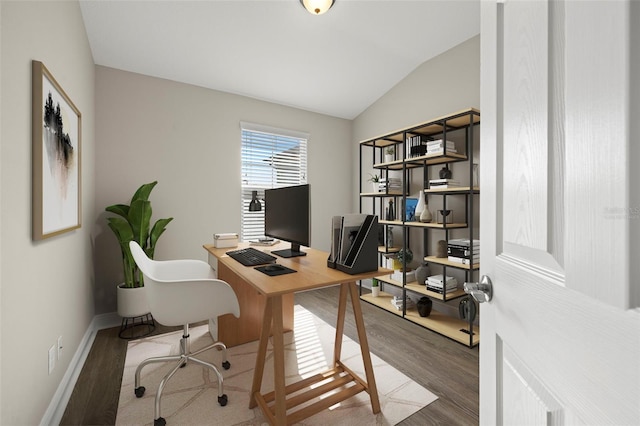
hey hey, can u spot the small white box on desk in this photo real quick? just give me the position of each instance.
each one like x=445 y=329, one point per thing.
x=225 y=240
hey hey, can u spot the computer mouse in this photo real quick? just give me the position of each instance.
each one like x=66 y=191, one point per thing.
x=272 y=268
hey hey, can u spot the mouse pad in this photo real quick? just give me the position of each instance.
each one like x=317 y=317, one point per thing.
x=281 y=271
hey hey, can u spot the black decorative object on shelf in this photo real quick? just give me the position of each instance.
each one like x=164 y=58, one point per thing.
x=445 y=173
x=391 y=211
x=467 y=309
x=424 y=306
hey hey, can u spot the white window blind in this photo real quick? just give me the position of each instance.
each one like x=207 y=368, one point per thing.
x=271 y=158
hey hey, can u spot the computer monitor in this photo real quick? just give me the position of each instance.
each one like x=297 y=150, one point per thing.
x=286 y=217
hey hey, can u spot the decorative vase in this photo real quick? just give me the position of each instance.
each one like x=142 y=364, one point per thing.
x=132 y=302
x=426 y=216
x=420 y=206
x=467 y=309
x=445 y=173
x=391 y=211
x=389 y=237
x=441 y=250
x=424 y=306
x=422 y=272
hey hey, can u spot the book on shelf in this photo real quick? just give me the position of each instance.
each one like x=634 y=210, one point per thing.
x=440 y=290
x=443 y=183
x=437 y=280
x=462 y=252
x=463 y=242
x=398 y=303
x=463 y=260
x=440 y=142
x=391 y=183
x=439 y=146
x=416 y=146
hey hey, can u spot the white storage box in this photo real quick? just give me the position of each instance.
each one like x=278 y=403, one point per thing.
x=225 y=240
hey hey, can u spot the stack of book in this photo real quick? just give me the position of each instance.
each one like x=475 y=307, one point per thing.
x=416 y=146
x=436 y=283
x=460 y=251
x=398 y=302
x=394 y=184
x=437 y=147
x=443 y=183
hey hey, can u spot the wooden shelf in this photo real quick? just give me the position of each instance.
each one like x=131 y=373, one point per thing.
x=384 y=250
x=422 y=289
x=390 y=222
x=388 y=280
x=446 y=262
x=436 y=321
x=435 y=225
x=457 y=190
x=445 y=325
x=423 y=224
x=382 y=301
x=414 y=162
x=436 y=126
x=382 y=194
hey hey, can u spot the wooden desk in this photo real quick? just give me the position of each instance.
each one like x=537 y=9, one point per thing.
x=312 y=273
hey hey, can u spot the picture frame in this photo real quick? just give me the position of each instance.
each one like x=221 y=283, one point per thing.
x=410 y=209
x=56 y=157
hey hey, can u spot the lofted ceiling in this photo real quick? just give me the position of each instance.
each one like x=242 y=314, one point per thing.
x=337 y=64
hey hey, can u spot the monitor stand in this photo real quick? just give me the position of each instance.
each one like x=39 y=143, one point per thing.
x=294 y=251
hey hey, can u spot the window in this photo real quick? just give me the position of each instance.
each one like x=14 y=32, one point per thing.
x=271 y=158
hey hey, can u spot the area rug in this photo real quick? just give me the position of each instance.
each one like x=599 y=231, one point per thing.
x=190 y=397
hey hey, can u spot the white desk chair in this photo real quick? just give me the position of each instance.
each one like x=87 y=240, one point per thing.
x=181 y=292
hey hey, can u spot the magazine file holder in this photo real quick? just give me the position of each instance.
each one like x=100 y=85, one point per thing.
x=363 y=255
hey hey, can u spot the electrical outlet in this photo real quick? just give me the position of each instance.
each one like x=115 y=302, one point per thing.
x=52 y=358
x=59 y=347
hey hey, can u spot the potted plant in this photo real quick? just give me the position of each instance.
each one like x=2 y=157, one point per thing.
x=132 y=223
x=389 y=154
x=375 y=182
x=375 y=288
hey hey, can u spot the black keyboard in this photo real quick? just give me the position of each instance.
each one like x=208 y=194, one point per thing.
x=251 y=257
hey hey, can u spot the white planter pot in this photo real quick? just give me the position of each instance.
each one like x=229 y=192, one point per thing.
x=388 y=158
x=375 y=291
x=132 y=302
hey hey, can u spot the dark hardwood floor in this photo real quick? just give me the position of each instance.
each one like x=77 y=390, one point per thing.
x=443 y=366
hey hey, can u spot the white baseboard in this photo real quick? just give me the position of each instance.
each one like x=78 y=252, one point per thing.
x=60 y=399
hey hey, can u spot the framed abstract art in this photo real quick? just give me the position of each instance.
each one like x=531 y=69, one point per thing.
x=56 y=168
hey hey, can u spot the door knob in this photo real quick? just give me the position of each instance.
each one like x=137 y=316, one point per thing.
x=482 y=291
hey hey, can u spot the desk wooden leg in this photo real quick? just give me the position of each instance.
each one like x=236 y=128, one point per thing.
x=364 y=347
x=262 y=353
x=342 y=310
x=278 y=362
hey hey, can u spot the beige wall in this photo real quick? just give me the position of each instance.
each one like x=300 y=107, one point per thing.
x=443 y=85
x=46 y=285
x=188 y=138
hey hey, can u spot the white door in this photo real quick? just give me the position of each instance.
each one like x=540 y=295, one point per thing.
x=560 y=340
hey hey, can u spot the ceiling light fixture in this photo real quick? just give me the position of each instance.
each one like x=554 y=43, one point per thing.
x=317 y=7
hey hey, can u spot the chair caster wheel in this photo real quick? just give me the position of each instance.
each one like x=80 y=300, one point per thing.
x=160 y=421
x=140 y=391
x=222 y=400
x=226 y=365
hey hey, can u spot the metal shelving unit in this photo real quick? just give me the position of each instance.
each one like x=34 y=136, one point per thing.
x=462 y=331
